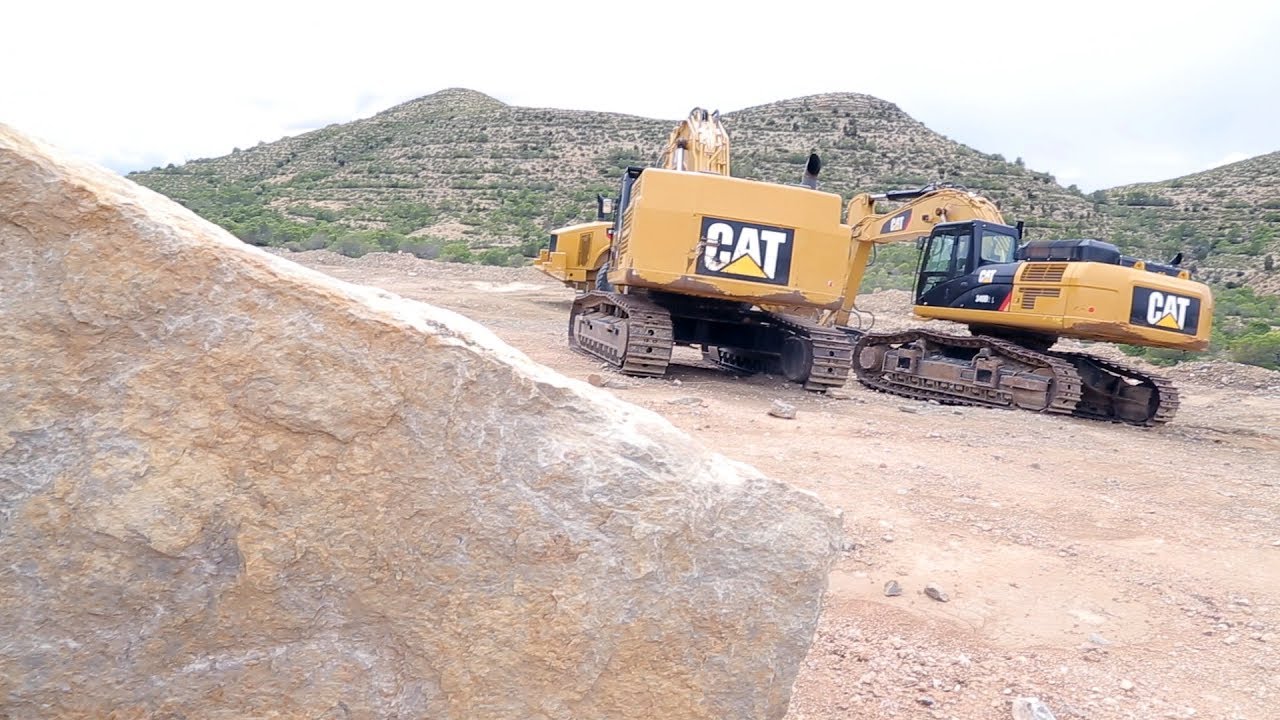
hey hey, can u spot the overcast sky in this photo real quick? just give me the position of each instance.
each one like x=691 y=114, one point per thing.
x=1097 y=93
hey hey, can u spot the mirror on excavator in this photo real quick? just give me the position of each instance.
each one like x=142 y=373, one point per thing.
x=604 y=207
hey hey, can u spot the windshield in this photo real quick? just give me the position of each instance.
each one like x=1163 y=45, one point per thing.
x=939 y=257
x=996 y=248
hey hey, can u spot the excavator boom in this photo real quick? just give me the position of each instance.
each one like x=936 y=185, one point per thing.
x=924 y=209
x=699 y=143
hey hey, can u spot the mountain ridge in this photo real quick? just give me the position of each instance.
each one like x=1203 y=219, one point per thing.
x=460 y=167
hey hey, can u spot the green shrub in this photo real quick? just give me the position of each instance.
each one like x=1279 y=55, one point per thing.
x=494 y=256
x=351 y=246
x=1146 y=199
x=1262 y=349
x=456 y=252
x=425 y=248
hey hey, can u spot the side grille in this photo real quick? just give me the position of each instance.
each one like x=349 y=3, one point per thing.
x=625 y=234
x=1030 y=295
x=1043 y=272
x=584 y=248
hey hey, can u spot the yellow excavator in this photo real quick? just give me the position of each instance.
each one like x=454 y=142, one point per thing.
x=1017 y=299
x=764 y=277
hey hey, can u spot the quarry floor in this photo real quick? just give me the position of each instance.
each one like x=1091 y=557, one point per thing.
x=1110 y=571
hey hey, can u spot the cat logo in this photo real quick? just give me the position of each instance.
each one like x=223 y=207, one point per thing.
x=1167 y=311
x=897 y=223
x=745 y=251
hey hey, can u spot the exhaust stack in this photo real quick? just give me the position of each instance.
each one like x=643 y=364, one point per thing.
x=811 y=169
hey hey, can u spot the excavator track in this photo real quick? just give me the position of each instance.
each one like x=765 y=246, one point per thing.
x=739 y=361
x=1120 y=393
x=632 y=334
x=820 y=357
x=966 y=370
x=817 y=357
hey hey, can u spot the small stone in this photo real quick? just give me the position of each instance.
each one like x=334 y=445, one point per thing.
x=926 y=700
x=838 y=394
x=1126 y=685
x=934 y=591
x=908 y=409
x=935 y=436
x=1035 y=466
x=887 y=537
x=601 y=381
x=782 y=410
x=892 y=589
x=1029 y=708
x=1231 y=639
x=676 y=382
x=884 y=465
x=1097 y=639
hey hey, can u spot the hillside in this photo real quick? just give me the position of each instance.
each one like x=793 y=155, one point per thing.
x=460 y=167
x=1226 y=220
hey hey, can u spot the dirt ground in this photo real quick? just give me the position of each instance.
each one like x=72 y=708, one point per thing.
x=1110 y=571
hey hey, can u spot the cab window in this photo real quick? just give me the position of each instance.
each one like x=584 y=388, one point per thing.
x=941 y=248
x=996 y=248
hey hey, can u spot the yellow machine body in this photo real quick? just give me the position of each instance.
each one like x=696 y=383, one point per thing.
x=1099 y=302
x=576 y=253
x=720 y=237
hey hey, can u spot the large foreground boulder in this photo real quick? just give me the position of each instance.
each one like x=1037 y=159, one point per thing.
x=234 y=487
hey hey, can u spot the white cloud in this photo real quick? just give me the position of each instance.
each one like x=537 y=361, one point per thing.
x=1121 y=92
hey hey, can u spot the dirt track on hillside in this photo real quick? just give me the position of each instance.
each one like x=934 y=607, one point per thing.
x=1111 y=571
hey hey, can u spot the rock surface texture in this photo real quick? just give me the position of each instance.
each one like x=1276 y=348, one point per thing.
x=234 y=487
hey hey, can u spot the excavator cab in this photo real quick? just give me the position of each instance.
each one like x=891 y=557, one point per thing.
x=960 y=258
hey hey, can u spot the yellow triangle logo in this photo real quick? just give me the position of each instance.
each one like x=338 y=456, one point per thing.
x=745 y=266
x=1168 y=322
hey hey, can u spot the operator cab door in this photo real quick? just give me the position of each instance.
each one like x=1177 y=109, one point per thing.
x=945 y=267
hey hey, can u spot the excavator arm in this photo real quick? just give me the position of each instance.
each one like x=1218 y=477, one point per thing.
x=699 y=143
x=922 y=209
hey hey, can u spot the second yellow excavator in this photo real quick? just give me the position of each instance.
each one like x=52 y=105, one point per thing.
x=1017 y=300
x=764 y=276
